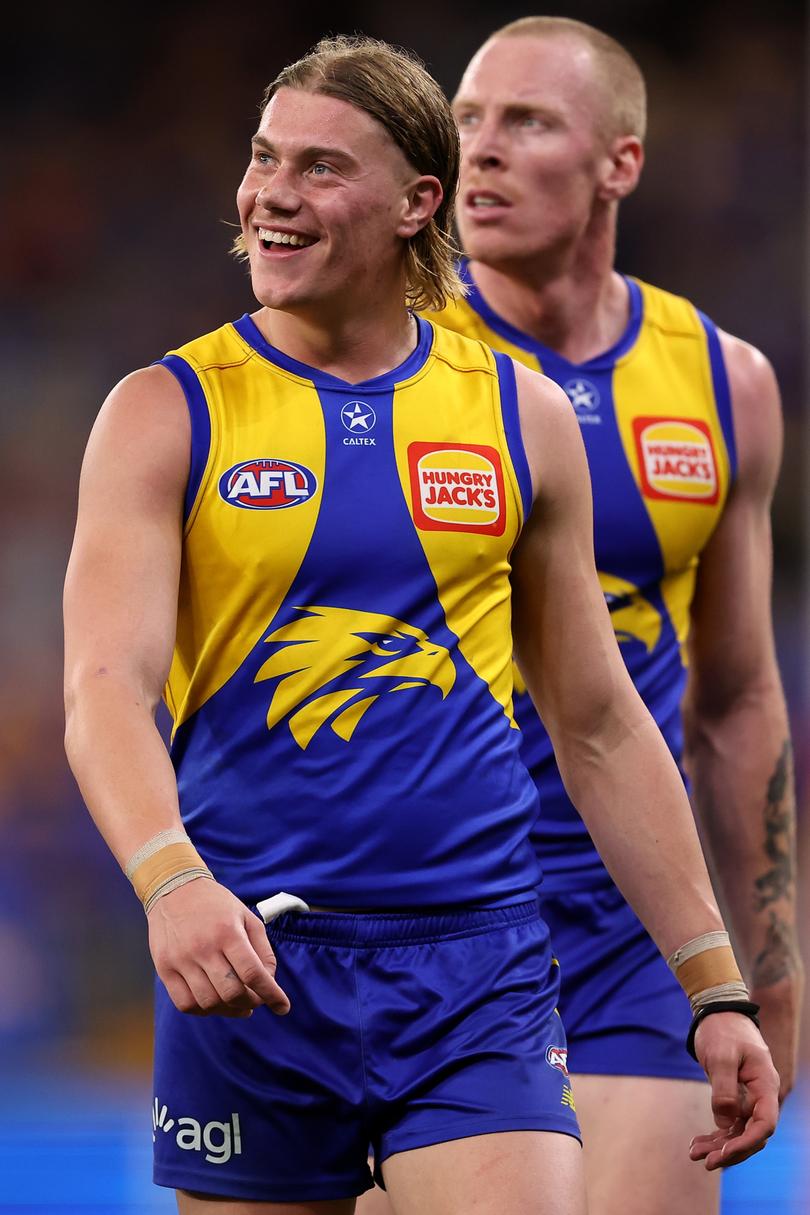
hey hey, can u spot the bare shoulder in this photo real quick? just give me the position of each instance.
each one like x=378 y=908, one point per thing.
x=549 y=428
x=142 y=432
x=757 y=411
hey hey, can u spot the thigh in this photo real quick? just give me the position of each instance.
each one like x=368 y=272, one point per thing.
x=208 y=1204
x=519 y=1172
x=374 y=1202
x=640 y=1127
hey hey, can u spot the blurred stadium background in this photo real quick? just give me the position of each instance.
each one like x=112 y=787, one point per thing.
x=123 y=140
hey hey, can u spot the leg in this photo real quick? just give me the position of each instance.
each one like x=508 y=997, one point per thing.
x=211 y=1204
x=512 y=1173
x=639 y=1127
x=374 y=1202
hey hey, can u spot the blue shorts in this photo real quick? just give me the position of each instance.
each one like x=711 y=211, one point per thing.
x=404 y=1031
x=625 y=1013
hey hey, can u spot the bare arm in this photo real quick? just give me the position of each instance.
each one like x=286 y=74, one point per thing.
x=120 y=608
x=737 y=740
x=612 y=758
x=120 y=614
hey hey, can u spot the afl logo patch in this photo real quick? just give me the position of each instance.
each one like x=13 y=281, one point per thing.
x=267 y=484
x=676 y=460
x=557 y=1057
x=457 y=487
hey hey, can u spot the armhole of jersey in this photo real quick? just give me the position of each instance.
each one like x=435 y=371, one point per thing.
x=511 y=426
x=200 y=426
x=722 y=392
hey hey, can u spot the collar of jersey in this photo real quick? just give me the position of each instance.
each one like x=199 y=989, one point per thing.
x=545 y=353
x=249 y=331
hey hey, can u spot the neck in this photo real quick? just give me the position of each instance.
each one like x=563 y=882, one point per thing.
x=353 y=345
x=569 y=299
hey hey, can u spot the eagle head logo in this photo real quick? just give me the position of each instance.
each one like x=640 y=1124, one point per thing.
x=331 y=665
x=633 y=617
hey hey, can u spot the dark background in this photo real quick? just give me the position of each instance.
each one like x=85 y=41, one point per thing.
x=124 y=135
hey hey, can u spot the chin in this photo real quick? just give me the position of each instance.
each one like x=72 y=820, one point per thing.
x=492 y=246
x=275 y=294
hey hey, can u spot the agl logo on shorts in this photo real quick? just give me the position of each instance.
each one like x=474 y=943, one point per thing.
x=676 y=459
x=457 y=487
x=267 y=484
x=221 y=1140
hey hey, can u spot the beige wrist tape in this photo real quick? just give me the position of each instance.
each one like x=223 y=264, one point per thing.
x=707 y=970
x=166 y=861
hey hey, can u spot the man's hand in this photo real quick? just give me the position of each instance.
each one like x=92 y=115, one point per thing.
x=745 y=1089
x=212 y=953
x=780 y=1004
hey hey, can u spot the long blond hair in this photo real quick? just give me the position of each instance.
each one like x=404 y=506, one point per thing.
x=395 y=88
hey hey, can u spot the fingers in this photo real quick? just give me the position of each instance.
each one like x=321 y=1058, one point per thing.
x=745 y=1090
x=212 y=953
x=724 y=1148
x=255 y=964
x=194 y=992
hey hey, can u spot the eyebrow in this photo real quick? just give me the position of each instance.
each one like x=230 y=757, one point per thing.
x=314 y=152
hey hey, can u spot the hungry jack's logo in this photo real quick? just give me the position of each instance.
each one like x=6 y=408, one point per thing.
x=676 y=460
x=457 y=487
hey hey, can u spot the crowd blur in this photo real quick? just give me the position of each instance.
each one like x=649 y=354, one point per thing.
x=121 y=156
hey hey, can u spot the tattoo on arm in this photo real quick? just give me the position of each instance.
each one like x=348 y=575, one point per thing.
x=780 y=844
x=779 y=958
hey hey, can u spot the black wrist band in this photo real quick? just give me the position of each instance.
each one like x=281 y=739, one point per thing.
x=746 y=1007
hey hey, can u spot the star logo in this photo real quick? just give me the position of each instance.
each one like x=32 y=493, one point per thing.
x=582 y=394
x=358 y=417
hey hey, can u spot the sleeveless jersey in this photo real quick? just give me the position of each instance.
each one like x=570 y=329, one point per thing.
x=655 y=417
x=341 y=684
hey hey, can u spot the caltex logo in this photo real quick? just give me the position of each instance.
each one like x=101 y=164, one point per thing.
x=358 y=417
x=584 y=396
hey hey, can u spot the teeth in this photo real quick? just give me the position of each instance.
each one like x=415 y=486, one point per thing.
x=478 y=201
x=284 y=238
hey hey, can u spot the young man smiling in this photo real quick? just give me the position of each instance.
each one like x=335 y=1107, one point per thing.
x=334 y=637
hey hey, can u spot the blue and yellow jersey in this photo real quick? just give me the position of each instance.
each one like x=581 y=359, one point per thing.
x=341 y=685
x=656 y=419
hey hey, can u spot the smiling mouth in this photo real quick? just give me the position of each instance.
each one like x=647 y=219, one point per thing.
x=269 y=238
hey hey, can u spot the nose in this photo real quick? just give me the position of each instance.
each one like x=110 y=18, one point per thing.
x=483 y=146
x=278 y=194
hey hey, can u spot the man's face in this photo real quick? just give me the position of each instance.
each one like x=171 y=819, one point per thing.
x=321 y=202
x=531 y=150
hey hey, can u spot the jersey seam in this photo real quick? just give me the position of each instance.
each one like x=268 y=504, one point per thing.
x=214 y=446
x=503 y=442
x=711 y=393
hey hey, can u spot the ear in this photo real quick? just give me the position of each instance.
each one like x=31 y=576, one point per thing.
x=621 y=168
x=422 y=200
